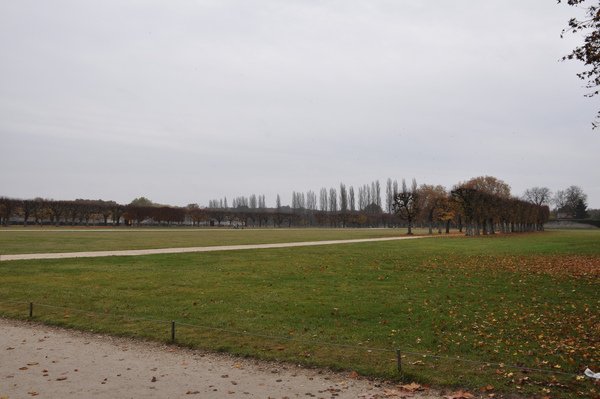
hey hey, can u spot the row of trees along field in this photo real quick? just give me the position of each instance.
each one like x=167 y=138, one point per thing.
x=482 y=205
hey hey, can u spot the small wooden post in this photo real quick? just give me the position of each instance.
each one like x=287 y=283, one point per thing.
x=30 y=310
x=172 y=330
x=399 y=360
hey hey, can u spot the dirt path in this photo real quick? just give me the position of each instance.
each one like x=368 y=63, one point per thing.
x=137 y=252
x=47 y=362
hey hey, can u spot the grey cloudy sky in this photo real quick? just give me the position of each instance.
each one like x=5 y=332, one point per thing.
x=185 y=101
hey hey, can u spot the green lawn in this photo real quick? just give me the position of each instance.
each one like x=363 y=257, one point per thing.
x=16 y=240
x=529 y=300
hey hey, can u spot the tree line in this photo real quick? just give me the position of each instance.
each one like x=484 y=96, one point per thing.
x=481 y=205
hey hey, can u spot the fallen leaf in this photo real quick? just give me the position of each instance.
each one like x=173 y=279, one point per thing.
x=353 y=374
x=153 y=379
x=61 y=378
x=412 y=387
x=460 y=395
x=23 y=368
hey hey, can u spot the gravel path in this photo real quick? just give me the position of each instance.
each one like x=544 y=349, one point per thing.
x=137 y=252
x=48 y=362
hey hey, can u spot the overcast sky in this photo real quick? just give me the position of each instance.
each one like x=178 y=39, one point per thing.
x=186 y=101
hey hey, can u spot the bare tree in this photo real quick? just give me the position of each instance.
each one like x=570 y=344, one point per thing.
x=28 y=207
x=343 y=198
x=333 y=207
x=362 y=198
x=406 y=204
x=560 y=199
x=323 y=202
x=311 y=200
x=116 y=211
x=351 y=199
x=57 y=210
x=572 y=202
x=40 y=212
x=261 y=202
x=8 y=206
x=389 y=196
x=298 y=200
x=538 y=195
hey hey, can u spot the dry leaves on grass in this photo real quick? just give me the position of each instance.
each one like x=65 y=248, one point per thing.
x=579 y=266
x=532 y=325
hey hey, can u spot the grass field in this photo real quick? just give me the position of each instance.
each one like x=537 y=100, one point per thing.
x=17 y=240
x=530 y=300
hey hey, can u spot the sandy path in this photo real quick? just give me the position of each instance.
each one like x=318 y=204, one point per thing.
x=47 y=362
x=137 y=252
